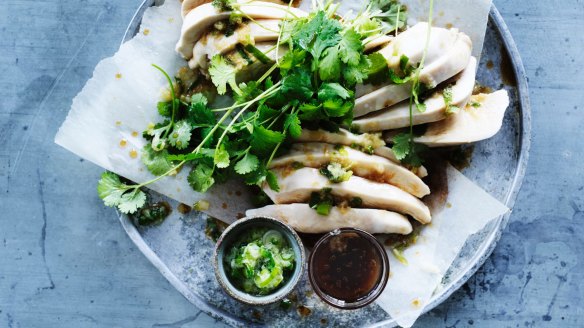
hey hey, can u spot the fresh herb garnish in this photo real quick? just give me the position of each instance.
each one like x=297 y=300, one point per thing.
x=115 y=193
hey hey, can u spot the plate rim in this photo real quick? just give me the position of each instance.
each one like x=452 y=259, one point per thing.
x=481 y=255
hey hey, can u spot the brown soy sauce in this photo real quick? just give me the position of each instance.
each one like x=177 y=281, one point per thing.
x=347 y=267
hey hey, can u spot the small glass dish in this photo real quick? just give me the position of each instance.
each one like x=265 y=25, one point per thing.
x=230 y=236
x=348 y=268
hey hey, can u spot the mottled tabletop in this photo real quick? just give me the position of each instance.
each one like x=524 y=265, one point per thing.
x=65 y=261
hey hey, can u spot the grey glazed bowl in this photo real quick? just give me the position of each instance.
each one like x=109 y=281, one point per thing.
x=228 y=238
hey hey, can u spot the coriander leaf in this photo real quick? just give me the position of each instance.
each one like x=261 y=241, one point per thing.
x=351 y=47
x=292 y=59
x=406 y=150
x=156 y=162
x=332 y=90
x=292 y=125
x=264 y=140
x=164 y=108
x=257 y=177
x=115 y=193
x=330 y=66
x=317 y=34
x=247 y=164
x=401 y=145
x=414 y=159
x=307 y=31
x=222 y=73
x=110 y=189
x=221 y=158
x=201 y=177
x=198 y=112
x=272 y=181
x=297 y=85
x=249 y=91
x=390 y=13
x=132 y=201
x=311 y=112
x=180 y=135
x=336 y=107
x=327 y=36
x=266 y=113
x=361 y=72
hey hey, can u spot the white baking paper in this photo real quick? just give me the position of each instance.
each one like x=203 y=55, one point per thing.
x=410 y=287
x=119 y=102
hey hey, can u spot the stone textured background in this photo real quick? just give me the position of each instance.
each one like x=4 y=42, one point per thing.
x=66 y=262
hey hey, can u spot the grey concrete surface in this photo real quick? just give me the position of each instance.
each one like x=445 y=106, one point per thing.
x=66 y=262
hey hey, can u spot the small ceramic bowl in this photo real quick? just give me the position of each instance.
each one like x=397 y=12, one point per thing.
x=228 y=238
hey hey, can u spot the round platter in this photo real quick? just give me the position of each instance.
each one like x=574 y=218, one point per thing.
x=181 y=250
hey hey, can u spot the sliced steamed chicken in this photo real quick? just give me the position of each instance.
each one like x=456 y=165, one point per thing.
x=297 y=187
x=188 y=5
x=471 y=123
x=216 y=42
x=448 y=54
x=198 y=20
x=305 y=219
x=365 y=141
x=372 y=167
x=398 y=116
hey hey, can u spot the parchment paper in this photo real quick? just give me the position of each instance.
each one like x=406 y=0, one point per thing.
x=468 y=209
x=119 y=102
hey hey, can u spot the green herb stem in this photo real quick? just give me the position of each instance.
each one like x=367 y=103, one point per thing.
x=171 y=124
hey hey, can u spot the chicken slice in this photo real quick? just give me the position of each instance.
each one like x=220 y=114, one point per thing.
x=470 y=124
x=398 y=116
x=198 y=20
x=365 y=141
x=302 y=218
x=371 y=167
x=188 y=5
x=453 y=54
x=297 y=187
x=214 y=43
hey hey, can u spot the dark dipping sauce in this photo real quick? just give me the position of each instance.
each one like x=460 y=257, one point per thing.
x=348 y=268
